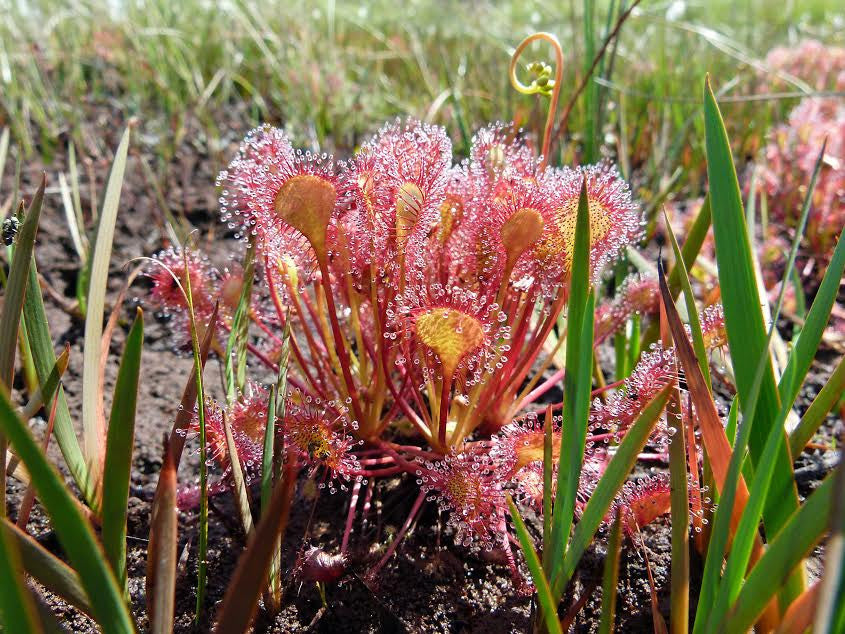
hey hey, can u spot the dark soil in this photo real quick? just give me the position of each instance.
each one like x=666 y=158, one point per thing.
x=431 y=585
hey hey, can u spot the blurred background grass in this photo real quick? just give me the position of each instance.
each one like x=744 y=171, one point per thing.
x=333 y=71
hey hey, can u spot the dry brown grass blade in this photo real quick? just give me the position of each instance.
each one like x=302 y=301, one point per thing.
x=161 y=551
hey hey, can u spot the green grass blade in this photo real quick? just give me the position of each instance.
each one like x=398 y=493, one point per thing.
x=591 y=132
x=72 y=528
x=692 y=244
x=609 y=484
x=4 y=149
x=235 y=360
x=548 y=474
x=830 y=609
x=795 y=541
x=238 y=480
x=202 y=539
x=610 y=579
x=119 y=446
x=43 y=566
x=267 y=453
x=692 y=247
x=747 y=529
x=576 y=391
x=548 y=606
x=743 y=317
x=812 y=419
x=44 y=359
x=17 y=610
x=689 y=299
x=36 y=401
x=162 y=549
x=10 y=320
x=13 y=298
x=808 y=341
x=679 y=506
x=93 y=421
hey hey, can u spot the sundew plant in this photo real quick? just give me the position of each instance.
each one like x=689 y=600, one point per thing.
x=495 y=335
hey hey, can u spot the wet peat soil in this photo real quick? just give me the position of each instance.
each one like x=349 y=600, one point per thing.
x=430 y=585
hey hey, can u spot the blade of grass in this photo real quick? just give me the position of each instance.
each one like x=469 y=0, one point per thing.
x=746 y=531
x=679 y=494
x=610 y=580
x=799 y=616
x=548 y=474
x=608 y=485
x=271 y=466
x=830 y=614
x=241 y=495
x=725 y=465
x=44 y=359
x=202 y=540
x=689 y=299
x=794 y=542
x=119 y=446
x=75 y=197
x=162 y=548
x=591 y=91
x=47 y=569
x=267 y=454
x=548 y=606
x=827 y=397
x=70 y=217
x=71 y=526
x=37 y=400
x=241 y=600
x=743 y=317
x=576 y=390
x=28 y=500
x=4 y=149
x=17 y=609
x=93 y=417
x=10 y=319
x=814 y=326
x=235 y=369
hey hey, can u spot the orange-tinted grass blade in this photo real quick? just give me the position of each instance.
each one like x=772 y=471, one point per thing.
x=29 y=495
x=799 y=615
x=679 y=496
x=161 y=551
x=712 y=433
x=716 y=444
